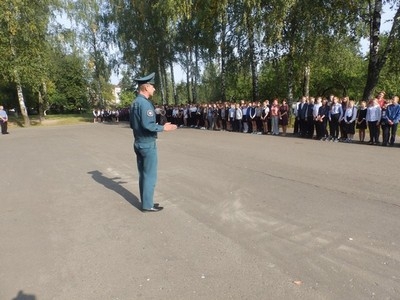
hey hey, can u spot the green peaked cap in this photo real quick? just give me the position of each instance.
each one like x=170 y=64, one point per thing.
x=146 y=79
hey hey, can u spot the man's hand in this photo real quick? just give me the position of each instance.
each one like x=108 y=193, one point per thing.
x=169 y=127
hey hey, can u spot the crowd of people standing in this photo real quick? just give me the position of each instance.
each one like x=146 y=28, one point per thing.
x=343 y=116
x=327 y=119
x=105 y=115
x=246 y=117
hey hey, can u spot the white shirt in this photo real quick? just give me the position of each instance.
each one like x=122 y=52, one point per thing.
x=315 y=109
x=350 y=114
x=239 y=114
x=373 y=113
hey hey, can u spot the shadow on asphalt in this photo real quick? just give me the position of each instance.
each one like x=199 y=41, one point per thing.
x=122 y=124
x=114 y=184
x=22 y=296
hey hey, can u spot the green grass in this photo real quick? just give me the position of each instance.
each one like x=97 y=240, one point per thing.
x=51 y=120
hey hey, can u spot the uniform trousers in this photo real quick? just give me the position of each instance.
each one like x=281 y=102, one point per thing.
x=275 y=125
x=296 y=126
x=310 y=127
x=334 y=126
x=3 y=127
x=303 y=127
x=385 y=133
x=323 y=128
x=146 y=158
x=373 y=132
x=393 y=131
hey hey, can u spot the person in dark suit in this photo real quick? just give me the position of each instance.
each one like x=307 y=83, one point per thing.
x=310 y=118
x=302 y=116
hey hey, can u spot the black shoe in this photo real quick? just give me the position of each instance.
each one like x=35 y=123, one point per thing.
x=153 y=209
x=156 y=205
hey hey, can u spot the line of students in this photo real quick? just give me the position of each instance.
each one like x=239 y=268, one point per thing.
x=343 y=117
x=105 y=115
x=325 y=119
x=246 y=117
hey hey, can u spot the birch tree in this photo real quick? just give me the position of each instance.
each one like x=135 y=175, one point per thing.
x=23 y=29
x=378 y=53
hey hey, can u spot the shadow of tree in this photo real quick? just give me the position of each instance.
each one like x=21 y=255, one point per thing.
x=22 y=296
x=115 y=184
x=16 y=122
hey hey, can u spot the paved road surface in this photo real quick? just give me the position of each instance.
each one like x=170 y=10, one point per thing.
x=246 y=217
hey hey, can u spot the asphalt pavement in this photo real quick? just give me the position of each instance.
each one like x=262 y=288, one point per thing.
x=245 y=217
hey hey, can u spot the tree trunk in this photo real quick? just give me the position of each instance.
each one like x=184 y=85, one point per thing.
x=188 y=88
x=97 y=67
x=307 y=73
x=165 y=76
x=195 y=74
x=160 y=75
x=223 y=57
x=373 y=72
x=175 y=96
x=42 y=97
x=253 y=58
x=377 y=58
x=41 y=110
x=45 y=99
x=290 y=84
x=20 y=93
x=290 y=74
x=188 y=76
x=21 y=101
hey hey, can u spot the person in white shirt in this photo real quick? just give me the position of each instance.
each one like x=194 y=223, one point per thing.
x=295 y=109
x=185 y=116
x=96 y=114
x=349 y=119
x=192 y=115
x=316 y=107
x=3 y=120
x=373 y=117
x=231 y=118
x=238 y=118
x=335 y=114
x=175 y=113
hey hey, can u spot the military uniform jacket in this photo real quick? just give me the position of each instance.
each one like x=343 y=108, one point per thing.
x=143 y=120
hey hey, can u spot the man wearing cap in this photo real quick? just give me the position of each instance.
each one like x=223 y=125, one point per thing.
x=145 y=128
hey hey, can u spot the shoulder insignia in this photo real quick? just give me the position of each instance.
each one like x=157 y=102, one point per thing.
x=150 y=113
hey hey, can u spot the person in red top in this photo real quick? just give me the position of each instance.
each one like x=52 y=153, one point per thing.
x=381 y=98
x=275 y=117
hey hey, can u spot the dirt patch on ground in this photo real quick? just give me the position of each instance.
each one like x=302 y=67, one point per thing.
x=50 y=122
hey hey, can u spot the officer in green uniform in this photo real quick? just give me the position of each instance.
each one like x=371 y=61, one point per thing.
x=145 y=129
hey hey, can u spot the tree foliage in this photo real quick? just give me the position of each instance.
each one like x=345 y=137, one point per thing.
x=228 y=50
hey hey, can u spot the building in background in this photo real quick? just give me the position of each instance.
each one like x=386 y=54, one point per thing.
x=116 y=94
